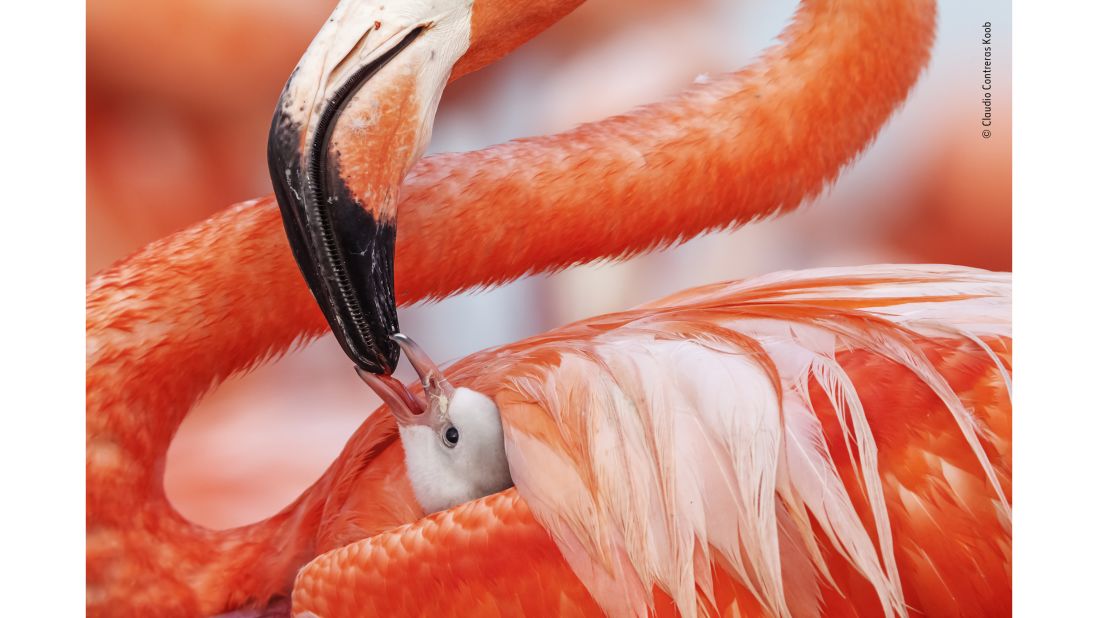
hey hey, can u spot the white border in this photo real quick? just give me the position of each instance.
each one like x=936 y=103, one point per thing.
x=1056 y=316
x=1056 y=223
x=42 y=229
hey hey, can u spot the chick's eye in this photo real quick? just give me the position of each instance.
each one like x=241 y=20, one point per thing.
x=451 y=436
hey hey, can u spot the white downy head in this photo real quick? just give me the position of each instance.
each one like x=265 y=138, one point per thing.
x=453 y=443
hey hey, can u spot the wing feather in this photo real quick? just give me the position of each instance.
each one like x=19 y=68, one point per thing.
x=798 y=444
x=702 y=439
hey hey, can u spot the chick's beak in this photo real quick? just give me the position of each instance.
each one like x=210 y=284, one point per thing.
x=405 y=406
x=434 y=382
x=351 y=121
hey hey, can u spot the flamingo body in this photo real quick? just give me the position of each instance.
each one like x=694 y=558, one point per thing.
x=789 y=445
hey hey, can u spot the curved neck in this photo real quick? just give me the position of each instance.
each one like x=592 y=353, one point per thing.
x=163 y=327
x=744 y=146
x=172 y=321
x=139 y=391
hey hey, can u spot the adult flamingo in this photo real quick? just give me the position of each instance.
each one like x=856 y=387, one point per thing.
x=170 y=322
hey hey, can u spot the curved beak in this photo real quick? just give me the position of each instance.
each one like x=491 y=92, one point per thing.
x=406 y=407
x=435 y=384
x=353 y=118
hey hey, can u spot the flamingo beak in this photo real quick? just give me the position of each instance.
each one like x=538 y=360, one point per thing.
x=435 y=384
x=406 y=407
x=353 y=118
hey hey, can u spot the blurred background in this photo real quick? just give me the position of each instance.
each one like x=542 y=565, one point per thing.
x=180 y=94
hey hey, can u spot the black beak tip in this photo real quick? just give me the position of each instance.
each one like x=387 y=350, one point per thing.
x=343 y=251
x=382 y=360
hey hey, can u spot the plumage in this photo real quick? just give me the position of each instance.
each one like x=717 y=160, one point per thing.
x=771 y=441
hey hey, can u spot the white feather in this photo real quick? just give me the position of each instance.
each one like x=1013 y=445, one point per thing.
x=684 y=451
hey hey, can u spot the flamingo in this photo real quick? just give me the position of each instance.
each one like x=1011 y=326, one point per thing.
x=891 y=382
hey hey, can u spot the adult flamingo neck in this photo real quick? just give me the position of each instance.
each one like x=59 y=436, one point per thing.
x=745 y=146
x=163 y=327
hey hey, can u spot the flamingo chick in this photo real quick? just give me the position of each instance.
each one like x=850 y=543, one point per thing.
x=453 y=443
